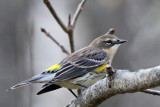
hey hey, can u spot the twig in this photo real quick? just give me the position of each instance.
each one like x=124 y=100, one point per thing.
x=77 y=13
x=69 y=20
x=53 y=12
x=54 y=40
x=68 y=29
x=151 y=91
x=71 y=41
x=73 y=23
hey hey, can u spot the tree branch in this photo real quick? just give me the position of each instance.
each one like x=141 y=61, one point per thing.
x=150 y=91
x=124 y=81
x=54 y=14
x=54 y=40
x=71 y=41
x=77 y=13
x=71 y=25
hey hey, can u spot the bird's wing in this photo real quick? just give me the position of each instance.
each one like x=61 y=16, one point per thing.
x=79 y=64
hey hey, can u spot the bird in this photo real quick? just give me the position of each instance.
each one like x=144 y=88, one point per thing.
x=81 y=68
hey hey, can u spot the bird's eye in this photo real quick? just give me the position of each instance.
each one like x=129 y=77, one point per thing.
x=109 y=42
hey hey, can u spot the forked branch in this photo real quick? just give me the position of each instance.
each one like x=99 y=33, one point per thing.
x=71 y=24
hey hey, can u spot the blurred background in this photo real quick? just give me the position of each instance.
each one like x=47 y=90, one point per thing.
x=25 y=51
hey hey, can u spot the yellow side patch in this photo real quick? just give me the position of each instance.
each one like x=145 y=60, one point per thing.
x=54 y=67
x=101 y=68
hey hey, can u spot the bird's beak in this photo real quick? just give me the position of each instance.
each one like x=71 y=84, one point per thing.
x=121 y=41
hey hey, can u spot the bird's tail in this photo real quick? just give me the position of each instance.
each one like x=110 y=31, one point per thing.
x=26 y=82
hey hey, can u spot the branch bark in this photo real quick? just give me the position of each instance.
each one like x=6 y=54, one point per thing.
x=124 y=81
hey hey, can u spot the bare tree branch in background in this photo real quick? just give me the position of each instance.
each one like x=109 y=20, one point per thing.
x=54 y=40
x=124 y=81
x=77 y=13
x=100 y=91
x=53 y=12
x=71 y=24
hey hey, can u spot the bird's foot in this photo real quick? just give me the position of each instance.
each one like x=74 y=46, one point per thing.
x=110 y=76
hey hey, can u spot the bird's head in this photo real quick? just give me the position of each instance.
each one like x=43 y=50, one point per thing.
x=108 y=42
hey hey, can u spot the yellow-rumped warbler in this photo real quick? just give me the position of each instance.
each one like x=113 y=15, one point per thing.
x=81 y=68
